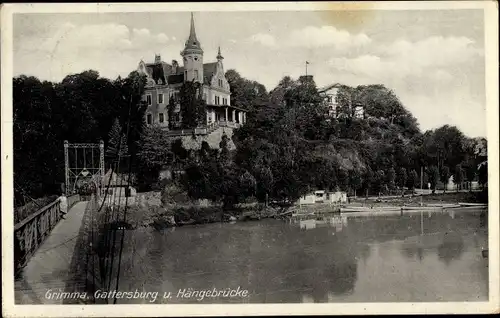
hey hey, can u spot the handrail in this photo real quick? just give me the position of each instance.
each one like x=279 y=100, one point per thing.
x=33 y=230
x=34 y=215
x=23 y=222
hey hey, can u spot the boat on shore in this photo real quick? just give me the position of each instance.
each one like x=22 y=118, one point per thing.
x=463 y=204
x=402 y=209
x=370 y=209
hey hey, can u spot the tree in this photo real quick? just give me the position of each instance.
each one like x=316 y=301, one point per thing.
x=355 y=180
x=470 y=172
x=47 y=113
x=458 y=176
x=433 y=174
x=117 y=143
x=193 y=107
x=483 y=174
x=413 y=180
x=245 y=93
x=401 y=179
x=265 y=184
x=445 y=176
x=379 y=181
x=391 y=178
x=224 y=149
x=444 y=146
x=368 y=180
x=154 y=153
x=248 y=184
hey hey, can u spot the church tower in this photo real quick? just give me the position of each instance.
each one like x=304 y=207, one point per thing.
x=193 y=57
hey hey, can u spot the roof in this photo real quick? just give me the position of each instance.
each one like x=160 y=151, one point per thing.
x=209 y=70
x=229 y=106
x=163 y=71
x=329 y=87
x=192 y=43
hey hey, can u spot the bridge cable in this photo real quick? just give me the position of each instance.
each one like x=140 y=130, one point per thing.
x=114 y=230
x=126 y=204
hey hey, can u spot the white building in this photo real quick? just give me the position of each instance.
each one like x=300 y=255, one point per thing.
x=330 y=94
x=165 y=80
x=322 y=196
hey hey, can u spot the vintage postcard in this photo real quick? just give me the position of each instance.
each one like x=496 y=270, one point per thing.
x=208 y=159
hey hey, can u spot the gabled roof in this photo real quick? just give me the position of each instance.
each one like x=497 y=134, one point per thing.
x=162 y=71
x=329 y=87
x=209 y=70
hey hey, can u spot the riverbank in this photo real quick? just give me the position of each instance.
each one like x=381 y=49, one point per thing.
x=170 y=215
x=157 y=213
x=425 y=200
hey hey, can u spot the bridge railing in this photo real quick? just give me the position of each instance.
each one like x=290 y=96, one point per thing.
x=30 y=233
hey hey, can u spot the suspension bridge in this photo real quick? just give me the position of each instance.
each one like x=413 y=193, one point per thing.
x=59 y=255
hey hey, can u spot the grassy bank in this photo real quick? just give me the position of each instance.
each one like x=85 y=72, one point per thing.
x=161 y=211
x=176 y=215
x=441 y=198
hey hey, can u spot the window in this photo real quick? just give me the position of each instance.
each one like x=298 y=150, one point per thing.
x=149 y=119
x=149 y=100
x=220 y=83
x=161 y=118
x=196 y=58
x=160 y=98
x=196 y=74
x=217 y=100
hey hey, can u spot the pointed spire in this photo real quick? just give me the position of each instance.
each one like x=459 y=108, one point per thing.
x=192 y=42
x=219 y=56
x=192 y=31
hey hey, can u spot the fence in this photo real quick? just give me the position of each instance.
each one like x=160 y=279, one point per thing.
x=30 y=233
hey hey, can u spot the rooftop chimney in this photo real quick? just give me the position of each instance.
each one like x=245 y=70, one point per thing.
x=157 y=59
x=175 y=66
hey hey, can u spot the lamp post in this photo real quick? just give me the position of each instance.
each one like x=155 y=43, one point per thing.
x=421 y=184
x=421 y=200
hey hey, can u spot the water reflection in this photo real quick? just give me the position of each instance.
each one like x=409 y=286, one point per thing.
x=451 y=248
x=334 y=258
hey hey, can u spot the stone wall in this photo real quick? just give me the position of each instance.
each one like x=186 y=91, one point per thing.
x=213 y=139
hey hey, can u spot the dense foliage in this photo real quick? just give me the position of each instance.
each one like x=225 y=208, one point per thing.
x=289 y=146
x=81 y=108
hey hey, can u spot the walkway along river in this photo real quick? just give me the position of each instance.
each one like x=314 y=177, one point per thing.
x=342 y=259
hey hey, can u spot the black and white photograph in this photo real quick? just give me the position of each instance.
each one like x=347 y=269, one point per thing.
x=288 y=158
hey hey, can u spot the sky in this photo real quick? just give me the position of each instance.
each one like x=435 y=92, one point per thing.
x=432 y=59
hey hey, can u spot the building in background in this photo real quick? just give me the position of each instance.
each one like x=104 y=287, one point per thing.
x=330 y=95
x=165 y=80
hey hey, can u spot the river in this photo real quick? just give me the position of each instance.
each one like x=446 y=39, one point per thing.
x=342 y=259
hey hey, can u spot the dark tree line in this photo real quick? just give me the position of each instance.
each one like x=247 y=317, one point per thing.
x=81 y=108
x=289 y=146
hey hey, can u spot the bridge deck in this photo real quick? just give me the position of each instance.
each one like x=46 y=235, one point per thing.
x=48 y=269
